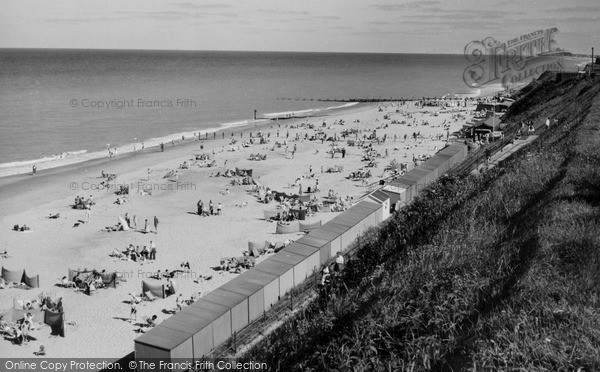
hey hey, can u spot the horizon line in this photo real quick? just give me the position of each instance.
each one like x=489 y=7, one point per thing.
x=249 y=51
x=219 y=50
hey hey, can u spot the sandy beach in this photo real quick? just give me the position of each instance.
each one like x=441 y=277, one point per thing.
x=97 y=325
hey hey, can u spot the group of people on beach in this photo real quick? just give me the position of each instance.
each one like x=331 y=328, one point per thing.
x=211 y=208
x=132 y=223
x=134 y=254
x=18 y=332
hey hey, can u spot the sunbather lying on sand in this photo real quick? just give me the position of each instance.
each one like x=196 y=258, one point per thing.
x=148 y=322
x=135 y=299
x=117 y=254
x=64 y=282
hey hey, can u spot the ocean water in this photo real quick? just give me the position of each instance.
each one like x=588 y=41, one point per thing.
x=83 y=101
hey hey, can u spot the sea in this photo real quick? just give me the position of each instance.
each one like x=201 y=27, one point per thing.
x=79 y=103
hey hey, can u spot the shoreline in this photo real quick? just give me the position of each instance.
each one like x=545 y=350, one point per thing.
x=20 y=167
x=24 y=167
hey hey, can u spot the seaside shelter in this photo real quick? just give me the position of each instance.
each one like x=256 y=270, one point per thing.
x=353 y=221
x=165 y=343
x=382 y=198
x=408 y=185
x=296 y=260
x=215 y=318
x=312 y=254
x=282 y=270
x=255 y=285
x=326 y=242
x=238 y=305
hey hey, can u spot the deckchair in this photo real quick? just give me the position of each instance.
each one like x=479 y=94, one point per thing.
x=148 y=296
x=7 y=329
x=148 y=322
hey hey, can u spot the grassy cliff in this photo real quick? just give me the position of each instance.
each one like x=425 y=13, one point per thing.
x=492 y=272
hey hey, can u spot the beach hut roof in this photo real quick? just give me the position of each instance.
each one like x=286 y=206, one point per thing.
x=301 y=249
x=288 y=257
x=365 y=207
x=273 y=267
x=184 y=322
x=164 y=338
x=249 y=282
x=379 y=196
x=335 y=227
x=403 y=182
x=206 y=309
x=321 y=233
x=223 y=297
x=349 y=219
x=315 y=240
x=202 y=317
x=393 y=196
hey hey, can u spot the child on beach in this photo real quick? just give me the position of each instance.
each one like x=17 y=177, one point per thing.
x=133 y=313
x=179 y=302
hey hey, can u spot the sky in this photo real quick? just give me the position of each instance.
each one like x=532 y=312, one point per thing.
x=370 y=26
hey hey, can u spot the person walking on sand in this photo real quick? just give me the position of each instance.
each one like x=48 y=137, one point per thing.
x=135 y=221
x=219 y=207
x=162 y=147
x=152 y=251
x=199 y=205
x=145 y=226
x=155 y=225
x=211 y=207
x=34 y=169
x=87 y=214
x=133 y=313
x=148 y=171
x=179 y=302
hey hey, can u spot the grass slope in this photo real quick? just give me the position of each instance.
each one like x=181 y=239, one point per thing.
x=496 y=272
